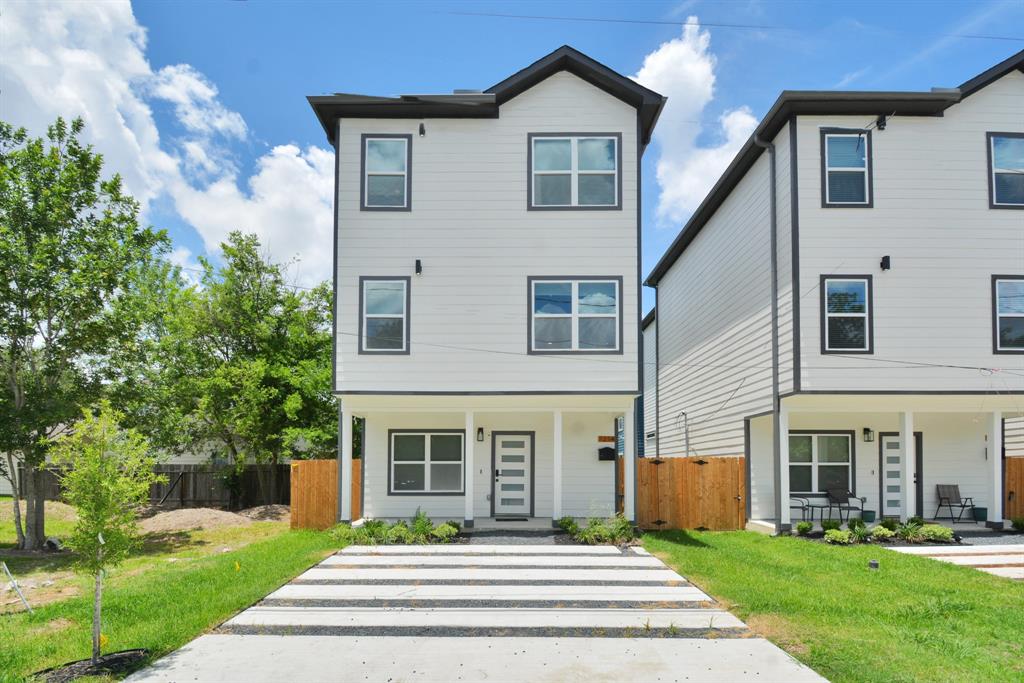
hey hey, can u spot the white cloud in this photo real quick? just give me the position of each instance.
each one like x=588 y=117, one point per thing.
x=683 y=69
x=89 y=60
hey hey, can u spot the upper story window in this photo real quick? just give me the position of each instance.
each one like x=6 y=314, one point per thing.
x=1006 y=170
x=846 y=314
x=575 y=171
x=575 y=315
x=845 y=168
x=384 y=315
x=1008 y=313
x=386 y=173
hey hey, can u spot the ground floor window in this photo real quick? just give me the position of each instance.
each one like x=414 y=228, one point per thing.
x=819 y=461
x=425 y=462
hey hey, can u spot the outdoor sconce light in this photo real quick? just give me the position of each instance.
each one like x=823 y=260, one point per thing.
x=423 y=131
x=419 y=267
x=886 y=263
x=479 y=433
x=869 y=435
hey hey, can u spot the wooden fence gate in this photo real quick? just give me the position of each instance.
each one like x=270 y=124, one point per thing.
x=315 y=493
x=691 y=493
x=1014 y=488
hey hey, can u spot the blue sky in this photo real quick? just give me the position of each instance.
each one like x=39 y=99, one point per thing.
x=230 y=141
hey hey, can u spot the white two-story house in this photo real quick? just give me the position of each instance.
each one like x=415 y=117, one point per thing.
x=846 y=307
x=487 y=285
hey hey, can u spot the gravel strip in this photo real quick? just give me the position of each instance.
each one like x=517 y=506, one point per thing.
x=481 y=632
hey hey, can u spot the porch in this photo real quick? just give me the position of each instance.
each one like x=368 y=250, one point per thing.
x=889 y=451
x=493 y=462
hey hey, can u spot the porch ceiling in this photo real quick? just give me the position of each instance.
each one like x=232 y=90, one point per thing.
x=1011 y=404
x=492 y=403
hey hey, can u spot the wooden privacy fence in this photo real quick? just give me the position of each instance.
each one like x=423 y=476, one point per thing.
x=691 y=493
x=315 y=493
x=1014 y=488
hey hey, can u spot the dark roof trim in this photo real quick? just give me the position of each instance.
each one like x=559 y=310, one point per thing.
x=810 y=102
x=485 y=105
x=649 y=318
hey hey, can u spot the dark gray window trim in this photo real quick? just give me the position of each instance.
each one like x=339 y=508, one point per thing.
x=870 y=316
x=462 y=432
x=794 y=212
x=408 y=170
x=870 y=169
x=408 y=315
x=991 y=185
x=919 y=465
x=575 y=278
x=533 y=464
x=995 y=317
x=529 y=171
x=852 y=433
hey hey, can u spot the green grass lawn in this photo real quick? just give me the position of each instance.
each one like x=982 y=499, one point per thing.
x=914 y=619
x=178 y=586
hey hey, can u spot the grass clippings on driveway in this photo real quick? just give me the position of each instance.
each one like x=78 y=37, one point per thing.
x=914 y=619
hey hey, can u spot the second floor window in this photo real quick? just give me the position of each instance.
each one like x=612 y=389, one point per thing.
x=384 y=315
x=387 y=179
x=1006 y=170
x=1008 y=314
x=580 y=316
x=846 y=314
x=846 y=168
x=575 y=171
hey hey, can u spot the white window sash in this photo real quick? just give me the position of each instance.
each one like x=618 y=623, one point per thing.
x=864 y=315
x=385 y=316
x=574 y=315
x=574 y=171
x=829 y=168
x=995 y=169
x=396 y=174
x=426 y=462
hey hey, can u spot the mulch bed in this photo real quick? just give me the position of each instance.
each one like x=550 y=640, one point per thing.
x=115 y=663
x=819 y=537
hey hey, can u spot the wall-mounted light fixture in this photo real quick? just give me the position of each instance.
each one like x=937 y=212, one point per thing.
x=880 y=122
x=479 y=433
x=886 y=263
x=423 y=130
x=419 y=267
x=869 y=435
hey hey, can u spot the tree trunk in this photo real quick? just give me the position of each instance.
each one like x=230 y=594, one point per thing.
x=97 y=602
x=15 y=500
x=35 y=531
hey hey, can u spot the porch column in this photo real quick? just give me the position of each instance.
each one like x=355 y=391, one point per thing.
x=995 y=472
x=908 y=457
x=629 y=460
x=469 y=468
x=556 y=473
x=345 y=464
x=782 y=473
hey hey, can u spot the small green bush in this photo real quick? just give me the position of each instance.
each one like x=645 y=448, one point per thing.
x=399 y=534
x=890 y=524
x=374 y=531
x=420 y=527
x=860 y=534
x=910 y=532
x=620 y=529
x=1017 y=523
x=882 y=533
x=854 y=523
x=597 y=531
x=916 y=520
x=594 y=533
x=445 y=532
x=455 y=523
x=936 y=533
x=838 y=537
x=830 y=524
x=568 y=525
x=804 y=528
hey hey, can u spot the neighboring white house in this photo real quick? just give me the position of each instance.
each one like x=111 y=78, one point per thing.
x=854 y=278
x=487 y=248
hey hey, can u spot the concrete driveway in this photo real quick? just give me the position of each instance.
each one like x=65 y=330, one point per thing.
x=483 y=612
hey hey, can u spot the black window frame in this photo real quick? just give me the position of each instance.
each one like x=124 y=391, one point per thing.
x=995 y=316
x=870 y=169
x=989 y=140
x=363 y=279
x=617 y=206
x=870 y=317
x=364 y=139
x=426 y=462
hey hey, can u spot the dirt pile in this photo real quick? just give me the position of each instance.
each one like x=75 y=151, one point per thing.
x=268 y=513
x=192 y=518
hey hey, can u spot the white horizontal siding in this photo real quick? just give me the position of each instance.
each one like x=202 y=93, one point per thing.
x=931 y=216
x=1013 y=436
x=478 y=244
x=650 y=339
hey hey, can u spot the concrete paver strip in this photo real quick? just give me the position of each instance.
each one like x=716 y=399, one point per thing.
x=487 y=549
x=565 y=574
x=1006 y=561
x=499 y=592
x=959 y=549
x=619 y=562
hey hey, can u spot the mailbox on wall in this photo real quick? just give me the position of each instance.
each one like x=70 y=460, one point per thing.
x=606 y=453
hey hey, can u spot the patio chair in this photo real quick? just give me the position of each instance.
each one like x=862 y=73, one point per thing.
x=949 y=496
x=801 y=504
x=844 y=501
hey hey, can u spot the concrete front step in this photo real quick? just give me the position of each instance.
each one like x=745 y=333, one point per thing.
x=489 y=592
x=391 y=560
x=567 y=575
x=960 y=549
x=472 y=549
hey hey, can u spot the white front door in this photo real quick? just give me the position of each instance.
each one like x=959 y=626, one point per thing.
x=892 y=485
x=513 y=456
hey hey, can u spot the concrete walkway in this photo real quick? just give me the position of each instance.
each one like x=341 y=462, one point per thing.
x=1006 y=561
x=483 y=612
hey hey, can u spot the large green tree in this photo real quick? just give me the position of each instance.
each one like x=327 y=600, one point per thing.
x=241 y=366
x=72 y=252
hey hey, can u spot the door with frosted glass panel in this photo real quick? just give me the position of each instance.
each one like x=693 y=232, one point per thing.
x=512 y=493
x=889 y=469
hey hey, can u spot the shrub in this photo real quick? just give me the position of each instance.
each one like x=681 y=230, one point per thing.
x=421 y=527
x=374 y=531
x=860 y=534
x=455 y=523
x=889 y=523
x=568 y=525
x=916 y=520
x=936 y=533
x=855 y=523
x=445 y=532
x=399 y=534
x=882 y=533
x=594 y=533
x=620 y=530
x=1017 y=523
x=830 y=524
x=838 y=537
x=804 y=528
x=909 y=532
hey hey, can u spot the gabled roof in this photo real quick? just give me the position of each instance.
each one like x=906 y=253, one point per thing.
x=485 y=104
x=834 y=102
